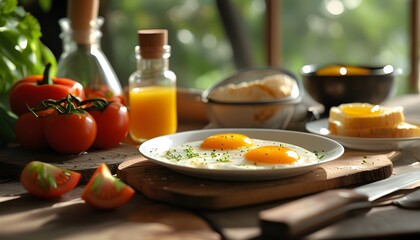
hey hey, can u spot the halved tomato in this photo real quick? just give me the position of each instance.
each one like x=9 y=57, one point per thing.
x=104 y=191
x=48 y=181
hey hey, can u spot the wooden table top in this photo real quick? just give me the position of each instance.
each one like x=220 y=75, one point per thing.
x=26 y=217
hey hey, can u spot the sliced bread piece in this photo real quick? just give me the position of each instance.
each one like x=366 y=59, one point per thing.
x=401 y=130
x=365 y=116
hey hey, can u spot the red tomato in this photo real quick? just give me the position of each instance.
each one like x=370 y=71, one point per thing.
x=29 y=130
x=48 y=181
x=70 y=133
x=112 y=123
x=104 y=191
x=32 y=90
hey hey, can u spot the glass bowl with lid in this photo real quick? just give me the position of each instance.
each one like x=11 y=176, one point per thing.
x=254 y=98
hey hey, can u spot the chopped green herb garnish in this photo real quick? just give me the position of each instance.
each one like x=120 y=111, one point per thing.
x=190 y=152
x=224 y=158
x=171 y=155
x=319 y=154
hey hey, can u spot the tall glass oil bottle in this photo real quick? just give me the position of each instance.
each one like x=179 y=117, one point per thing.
x=83 y=59
x=152 y=88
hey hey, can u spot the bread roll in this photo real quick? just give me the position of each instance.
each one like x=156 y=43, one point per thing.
x=269 y=88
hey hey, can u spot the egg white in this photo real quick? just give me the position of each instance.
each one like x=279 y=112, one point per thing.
x=191 y=155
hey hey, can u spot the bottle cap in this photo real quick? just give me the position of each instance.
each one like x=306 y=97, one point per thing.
x=151 y=42
x=82 y=14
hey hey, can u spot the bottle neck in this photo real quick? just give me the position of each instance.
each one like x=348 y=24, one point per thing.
x=83 y=40
x=155 y=65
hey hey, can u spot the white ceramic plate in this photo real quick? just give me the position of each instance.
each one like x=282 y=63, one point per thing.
x=321 y=127
x=331 y=150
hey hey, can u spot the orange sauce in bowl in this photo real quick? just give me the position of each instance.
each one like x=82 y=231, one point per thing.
x=336 y=70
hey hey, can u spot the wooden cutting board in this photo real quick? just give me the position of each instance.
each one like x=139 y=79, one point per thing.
x=162 y=184
x=14 y=159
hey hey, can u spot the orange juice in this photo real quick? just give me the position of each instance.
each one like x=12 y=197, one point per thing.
x=152 y=112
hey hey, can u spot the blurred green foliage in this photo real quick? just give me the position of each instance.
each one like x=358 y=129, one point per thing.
x=21 y=51
x=200 y=51
x=371 y=32
x=374 y=32
x=21 y=54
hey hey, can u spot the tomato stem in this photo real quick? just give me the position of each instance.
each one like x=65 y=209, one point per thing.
x=70 y=105
x=67 y=105
x=99 y=104
x=46 y=80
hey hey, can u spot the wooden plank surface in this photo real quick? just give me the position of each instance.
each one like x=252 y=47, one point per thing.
x=14 y=159
x=26 y=217
x=162 y=184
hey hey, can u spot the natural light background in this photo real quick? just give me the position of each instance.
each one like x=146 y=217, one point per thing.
x=374 y=32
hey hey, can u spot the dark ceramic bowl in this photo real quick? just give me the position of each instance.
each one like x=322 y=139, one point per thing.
x=370 y=85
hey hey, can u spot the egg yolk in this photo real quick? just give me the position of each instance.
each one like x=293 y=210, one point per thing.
x=227 y=141
x=272 y=155
x=362 y=110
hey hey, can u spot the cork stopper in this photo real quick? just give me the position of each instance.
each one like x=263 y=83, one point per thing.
x=82 y=14
x=151 y=42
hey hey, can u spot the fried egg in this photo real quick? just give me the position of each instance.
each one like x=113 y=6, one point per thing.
x=237 y=151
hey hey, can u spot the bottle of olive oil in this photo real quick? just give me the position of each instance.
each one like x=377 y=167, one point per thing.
x=82 y=59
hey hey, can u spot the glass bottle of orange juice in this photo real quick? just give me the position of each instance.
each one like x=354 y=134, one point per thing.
x=152 y=88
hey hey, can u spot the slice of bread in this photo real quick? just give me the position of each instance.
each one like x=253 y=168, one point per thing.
x=401 y=130
x=365 y=115
x=370 y=121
